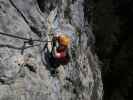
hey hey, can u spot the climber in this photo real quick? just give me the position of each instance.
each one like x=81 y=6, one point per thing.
x=61 y=44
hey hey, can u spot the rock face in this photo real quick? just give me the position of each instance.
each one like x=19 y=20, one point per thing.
x=25 y=77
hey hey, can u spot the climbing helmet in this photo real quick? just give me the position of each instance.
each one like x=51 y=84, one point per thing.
x=64 y=40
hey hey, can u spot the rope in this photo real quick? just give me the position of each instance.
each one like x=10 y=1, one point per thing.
x=22 y=38
x=26 y=40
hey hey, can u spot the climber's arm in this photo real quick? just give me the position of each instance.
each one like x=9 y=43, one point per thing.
x=55 y=53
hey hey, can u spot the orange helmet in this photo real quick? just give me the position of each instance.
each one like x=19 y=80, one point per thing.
x=64 y=40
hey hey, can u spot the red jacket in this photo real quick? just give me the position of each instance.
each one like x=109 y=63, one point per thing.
x=60 y=54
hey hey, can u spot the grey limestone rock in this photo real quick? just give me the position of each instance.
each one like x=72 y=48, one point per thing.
x=25 y=77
